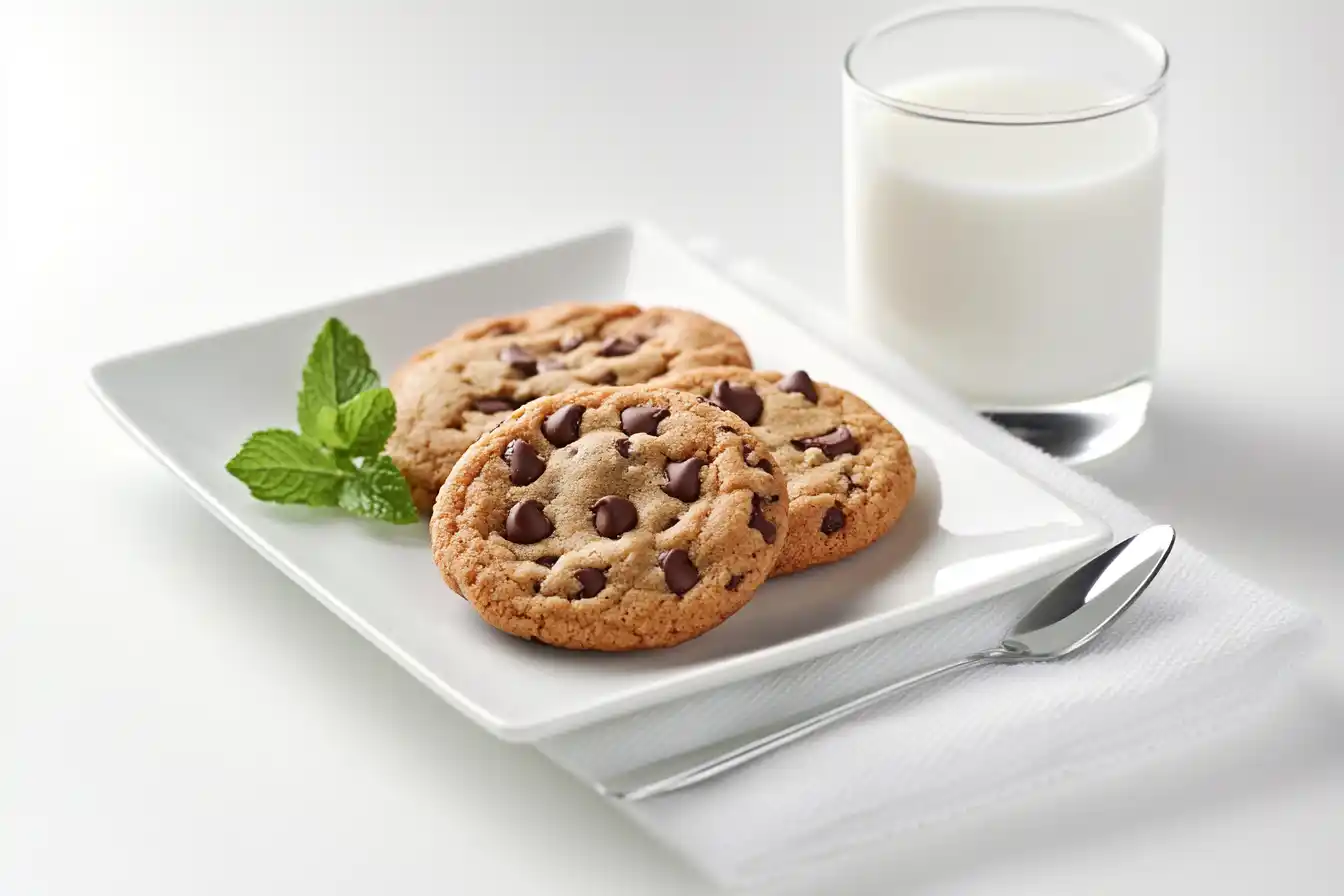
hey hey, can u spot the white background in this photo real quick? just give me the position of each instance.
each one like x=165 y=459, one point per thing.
x=175 y=717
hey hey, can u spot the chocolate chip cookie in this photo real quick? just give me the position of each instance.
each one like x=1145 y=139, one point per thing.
x=849 y=470
x=452 y=392
x=611 y=519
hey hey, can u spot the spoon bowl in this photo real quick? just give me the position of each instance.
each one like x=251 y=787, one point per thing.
x=1090 y=598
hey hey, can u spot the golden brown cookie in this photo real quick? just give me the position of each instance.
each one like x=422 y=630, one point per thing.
x=450 y=393
x=611 y=519
x=849 y=470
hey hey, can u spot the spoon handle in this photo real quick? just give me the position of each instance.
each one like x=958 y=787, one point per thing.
x=712 y=760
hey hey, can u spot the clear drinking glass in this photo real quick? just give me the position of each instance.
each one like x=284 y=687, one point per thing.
x=1003 y=212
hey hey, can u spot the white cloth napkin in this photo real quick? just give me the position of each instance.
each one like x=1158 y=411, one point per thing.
x=1196 y=646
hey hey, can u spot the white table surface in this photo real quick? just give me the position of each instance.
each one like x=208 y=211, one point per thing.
x=176 y=717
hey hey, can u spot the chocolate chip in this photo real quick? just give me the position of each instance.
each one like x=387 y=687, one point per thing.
x=833 y=521
x=607 y=379
x=562 y=427
x=623 y=447
x=591 y=582
x=833 y=444
x=519 y=358
x=643 y=419
x=571 y=342
x=734 y=582
x=799 y=382
x=741 y=400
x=524 y=465
x=536 y=587
x=548 y=561
x=759 y=522
x=760 y=463
x=527 y=523
x=683 y=478
x=493 y=405
x=613 y=516
x=678 y=570
x=615 y=346
x=546 y=365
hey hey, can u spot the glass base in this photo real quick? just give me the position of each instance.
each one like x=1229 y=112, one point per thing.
x=1080 y=431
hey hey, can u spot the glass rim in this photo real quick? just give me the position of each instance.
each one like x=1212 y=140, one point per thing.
x=1128 y=100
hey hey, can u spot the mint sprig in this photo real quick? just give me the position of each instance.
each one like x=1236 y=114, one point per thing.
x=284 y=467
x=336 y=459
x=338 y=369
x=377 y=490
x=364 y=422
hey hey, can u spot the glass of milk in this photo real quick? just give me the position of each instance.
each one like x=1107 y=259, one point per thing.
x=1003 y=212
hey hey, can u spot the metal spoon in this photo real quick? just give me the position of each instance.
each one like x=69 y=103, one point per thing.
x=1073 y=613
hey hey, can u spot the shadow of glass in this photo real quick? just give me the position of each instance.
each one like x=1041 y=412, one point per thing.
x=1240 y=487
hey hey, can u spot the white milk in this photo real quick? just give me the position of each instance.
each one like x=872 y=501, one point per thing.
x=1019 y=265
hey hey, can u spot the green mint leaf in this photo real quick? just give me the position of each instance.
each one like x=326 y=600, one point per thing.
x=327 y=428
x=379 y=492
x=366 y=421
x=282 y=466
x=338 y=369
x=346 y=419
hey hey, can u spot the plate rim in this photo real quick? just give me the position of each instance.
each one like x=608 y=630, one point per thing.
x=532 y=727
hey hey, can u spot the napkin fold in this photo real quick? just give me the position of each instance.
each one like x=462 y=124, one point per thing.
x=1200 y=643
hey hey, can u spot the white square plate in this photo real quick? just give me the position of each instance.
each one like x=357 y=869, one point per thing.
x=974 y=529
